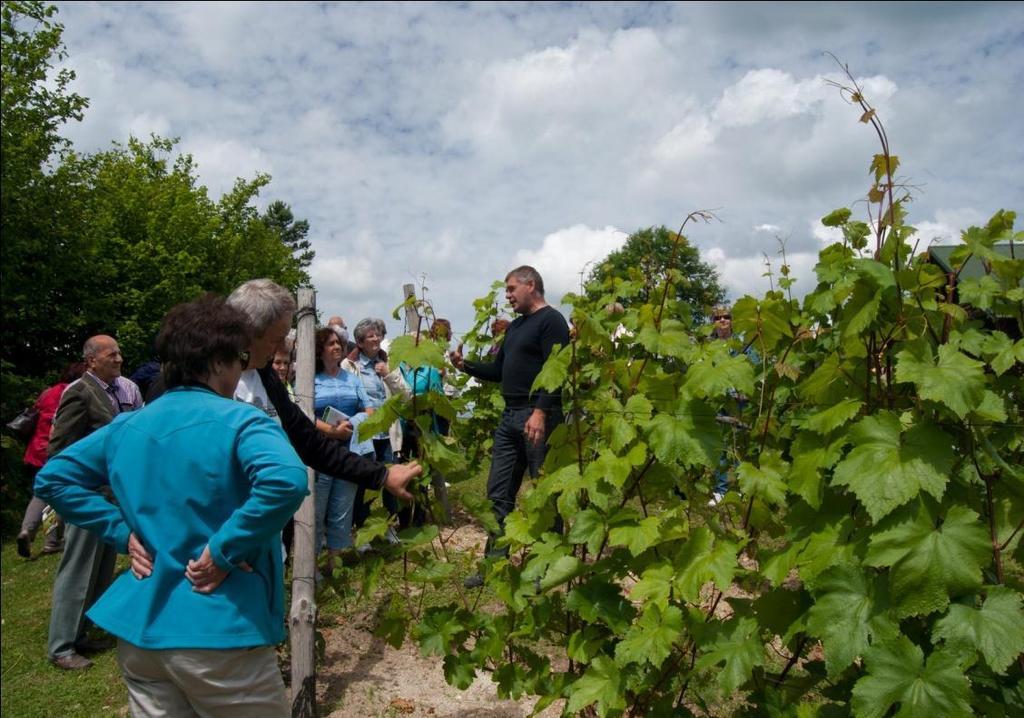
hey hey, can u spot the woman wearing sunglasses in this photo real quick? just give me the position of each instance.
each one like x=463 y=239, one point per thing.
x=203 y=485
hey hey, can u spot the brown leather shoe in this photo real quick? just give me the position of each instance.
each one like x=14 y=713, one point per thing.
x=71 y=662
x=24 y=545
x=53 y=549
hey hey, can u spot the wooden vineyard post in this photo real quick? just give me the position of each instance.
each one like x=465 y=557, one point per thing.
x=303 y=614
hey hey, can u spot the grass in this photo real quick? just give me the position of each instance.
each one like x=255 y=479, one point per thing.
x=31 y=687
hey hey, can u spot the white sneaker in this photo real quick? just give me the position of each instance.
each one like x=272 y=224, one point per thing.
x=392 y=537
x=716 y=499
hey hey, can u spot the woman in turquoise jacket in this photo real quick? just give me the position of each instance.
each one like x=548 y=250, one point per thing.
x=204 y=485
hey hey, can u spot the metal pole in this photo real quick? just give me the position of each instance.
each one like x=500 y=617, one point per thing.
x=302 y=619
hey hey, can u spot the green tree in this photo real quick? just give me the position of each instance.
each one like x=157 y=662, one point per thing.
x=649 y=258
x=279 y=218
x=34 y=103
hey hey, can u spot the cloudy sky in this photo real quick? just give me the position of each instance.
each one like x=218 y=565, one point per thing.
x=443 y=144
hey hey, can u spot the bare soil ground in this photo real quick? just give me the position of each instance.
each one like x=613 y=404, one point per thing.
x=364 y=677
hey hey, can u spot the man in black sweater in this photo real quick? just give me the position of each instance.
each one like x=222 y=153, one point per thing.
x=520 y=441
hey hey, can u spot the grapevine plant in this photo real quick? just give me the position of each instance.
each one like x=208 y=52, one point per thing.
x=868 y=562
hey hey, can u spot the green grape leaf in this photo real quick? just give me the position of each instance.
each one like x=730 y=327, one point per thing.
x=561 y=571
x=587 y=527
x=432 y=572
x=954 y=379
x=459 y=671
x=1008 y=356
x=584 y=644
x=812 y=453
x=391 y=623
x=600 y=684
x=405 y=349
x=655 y=584
x=783 y=612
x=850 y=612
x=615 y=428
x=737 y=645
x=651 y=638
x=598 y=601
x=638 y=408
x=979 y=292
x=830 y=419
x=692 y=437
x=703 y=559
x=929 y=562
x=438 y=631
x=898 y=674
x=718 y=373
x=996 y=629
x=886 y=469
x=637 y=537
x=861 y=310
x=764 y=481
x=836 y=218
x=417 y=535
x=555 y=370
x=670 y=341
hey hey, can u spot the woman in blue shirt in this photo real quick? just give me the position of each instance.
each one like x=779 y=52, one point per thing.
x=335 y=388
x=204 y=485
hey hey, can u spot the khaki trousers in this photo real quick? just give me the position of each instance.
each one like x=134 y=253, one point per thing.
x=242 y=683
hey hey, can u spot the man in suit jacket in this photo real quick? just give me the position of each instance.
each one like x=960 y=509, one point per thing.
x=87 y=566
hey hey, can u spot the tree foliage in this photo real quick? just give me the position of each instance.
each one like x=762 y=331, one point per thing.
x=105 y=242
x=278 y=216
x=652 y=256
x=108 y=242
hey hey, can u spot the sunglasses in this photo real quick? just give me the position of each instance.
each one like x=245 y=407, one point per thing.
x=723 y=316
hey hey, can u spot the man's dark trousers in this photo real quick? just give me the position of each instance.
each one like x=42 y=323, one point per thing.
x=511 y=456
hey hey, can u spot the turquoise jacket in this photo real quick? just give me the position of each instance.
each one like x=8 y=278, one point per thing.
x=189 y=470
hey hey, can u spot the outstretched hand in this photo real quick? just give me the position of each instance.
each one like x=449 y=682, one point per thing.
x=399 y=476
x=456 y=357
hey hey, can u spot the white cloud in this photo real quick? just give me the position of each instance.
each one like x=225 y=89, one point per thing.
x=222 y=160
x=566 y=253
x=440 y=140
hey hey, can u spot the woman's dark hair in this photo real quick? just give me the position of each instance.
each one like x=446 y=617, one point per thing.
x=323 y=336
x=73 y=371
x=194 y=335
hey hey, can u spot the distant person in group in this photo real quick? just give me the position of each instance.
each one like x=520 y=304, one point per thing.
x=338 y=325
x=145 y=374
x=369 y=363
x=204 y=483
x=721 y=317
x=35 y=457
x=87 y=566
x=335 y=497
x=520 y=441
x=283 y=366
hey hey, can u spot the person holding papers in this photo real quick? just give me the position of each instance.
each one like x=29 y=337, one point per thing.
x=338 y=397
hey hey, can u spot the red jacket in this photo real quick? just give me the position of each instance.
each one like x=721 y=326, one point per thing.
x=47 y=403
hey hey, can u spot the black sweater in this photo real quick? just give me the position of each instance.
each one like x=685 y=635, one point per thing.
x=528 y=342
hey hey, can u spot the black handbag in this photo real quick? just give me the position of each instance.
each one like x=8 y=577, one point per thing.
x=24 y=424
